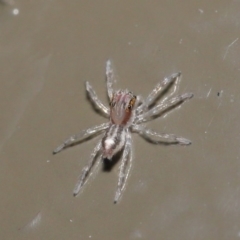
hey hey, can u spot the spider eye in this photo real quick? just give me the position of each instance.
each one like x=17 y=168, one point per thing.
x=112 y=103
x=131 y=103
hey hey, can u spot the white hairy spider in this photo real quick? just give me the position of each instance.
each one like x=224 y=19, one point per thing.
x=126 y=113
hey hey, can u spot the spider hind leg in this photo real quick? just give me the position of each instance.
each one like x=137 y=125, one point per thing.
x=86 y=171
x=84 y=134
x=124 y=168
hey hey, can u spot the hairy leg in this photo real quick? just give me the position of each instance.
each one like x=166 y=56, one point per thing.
x=159 y=88
x=96 y=101
x=162 y=107
x=124 y=167
x=87 y=169
x=80 y=136
x=156 y=137
x=109 y=79
x=140 y=105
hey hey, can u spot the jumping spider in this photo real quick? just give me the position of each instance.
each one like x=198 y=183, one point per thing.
x=126 y=114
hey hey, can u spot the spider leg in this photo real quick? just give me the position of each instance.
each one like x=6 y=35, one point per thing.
x=140 y=105
x=156 y=138
x=96 y=101
x=80 y=136
x=163 y=106
x=109 y=79
x=87 y=169
x=160 y=87
x=124 y=167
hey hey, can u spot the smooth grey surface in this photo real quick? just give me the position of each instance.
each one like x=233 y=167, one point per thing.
x=48 y=49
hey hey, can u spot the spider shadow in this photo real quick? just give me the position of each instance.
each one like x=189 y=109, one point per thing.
x=108 y=164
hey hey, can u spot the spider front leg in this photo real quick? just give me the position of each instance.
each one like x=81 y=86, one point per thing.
x=157 y=138
x=163 y=106
x=159 y=88
x=124 y=167
x=96 y=101
x=80 y=136
x=87 y=169
x=109 y=79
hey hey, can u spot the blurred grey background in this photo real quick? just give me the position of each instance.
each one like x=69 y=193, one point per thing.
x=48 y=49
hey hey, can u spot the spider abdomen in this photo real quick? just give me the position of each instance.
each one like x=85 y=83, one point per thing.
x=113 y=140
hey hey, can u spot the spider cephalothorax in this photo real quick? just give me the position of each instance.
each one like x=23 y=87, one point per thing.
x=126 y=114
x=121 y=107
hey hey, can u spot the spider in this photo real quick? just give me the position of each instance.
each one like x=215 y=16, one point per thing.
x=127 y=114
